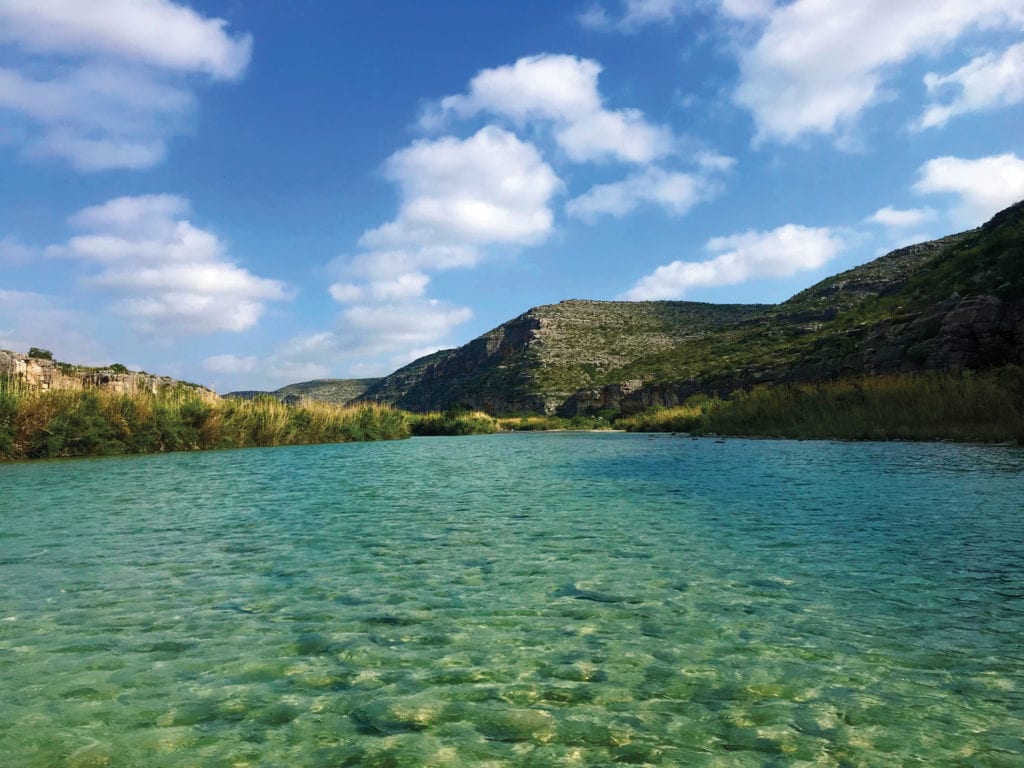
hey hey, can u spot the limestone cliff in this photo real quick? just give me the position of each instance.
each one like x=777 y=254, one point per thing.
x=534 y=362
x=43 y=374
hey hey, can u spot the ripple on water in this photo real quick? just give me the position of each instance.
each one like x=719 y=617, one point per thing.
x=528 y=600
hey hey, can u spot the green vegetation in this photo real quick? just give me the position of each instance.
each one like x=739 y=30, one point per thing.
x=40 y=354
x=535 y=423
x=454 y=421
x=463 y=421
x=45 y=424
x=334 y=391
x=983 y=406
x=954 y=302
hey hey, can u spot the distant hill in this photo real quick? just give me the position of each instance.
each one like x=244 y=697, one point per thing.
x=947 y=304
x=534 y=362
x=337 y=391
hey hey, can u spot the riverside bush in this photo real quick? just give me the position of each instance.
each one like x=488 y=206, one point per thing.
x=454 y=421
x=985 y=406
x=46 y=424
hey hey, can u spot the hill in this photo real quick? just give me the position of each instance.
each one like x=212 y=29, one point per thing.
x=948 y=304
x=335 y=391
x=534 y=362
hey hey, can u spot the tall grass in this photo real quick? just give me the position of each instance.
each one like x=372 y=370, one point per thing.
x=460 y=421
x=982 y=406
x=43 y=424
x=455 y=421
x=537 y=423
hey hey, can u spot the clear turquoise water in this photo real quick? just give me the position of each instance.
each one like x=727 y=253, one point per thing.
x=516 y=600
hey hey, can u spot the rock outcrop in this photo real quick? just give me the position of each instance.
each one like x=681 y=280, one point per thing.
x=534 y=362
x=43 y=374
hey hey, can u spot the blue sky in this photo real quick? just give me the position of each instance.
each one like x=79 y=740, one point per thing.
x=248 y=194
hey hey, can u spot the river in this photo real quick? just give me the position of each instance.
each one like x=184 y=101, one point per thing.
x=516 y=600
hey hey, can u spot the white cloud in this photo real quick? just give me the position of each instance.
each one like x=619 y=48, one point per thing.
x=623 y=135
x=794 y=82
x=173 y=277
x=641 y=12
x=747 y=9
x=984 y=186
x=231 y=364
x=595 y=17
x=370 y=339
x=675 y=192
x=405 y=285
x=489 y=188
x=104 y=89
x=780 y=252
x=379 y=328
x=158 y=32
x=561 y=92
x=30 y=319
x=458 y=196
x=633 y=15
x=13 y=251
x=712 y=161
x=901 y=219
x=987 y=82
x=300 y=358
x=346 y=293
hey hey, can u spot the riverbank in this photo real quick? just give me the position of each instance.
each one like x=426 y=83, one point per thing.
x=985 y=406
x=63 y=423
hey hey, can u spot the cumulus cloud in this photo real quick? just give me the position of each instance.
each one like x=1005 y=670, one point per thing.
x=632 y=15
x=231 y=364
x=674 y=192
x=172 y=276
x=902 y=219
x=105 y=89
x=392 y=327
x=987 y=82
x=983 y=186
x=747 y=9
x=561 y=92
x=489 y=188
x=13 y=251
x=457 y=197
x=369 y=340
x=31 y=319
x=794 y=83
x=780 y=252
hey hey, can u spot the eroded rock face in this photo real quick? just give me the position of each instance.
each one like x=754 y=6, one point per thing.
x=35 y=372
x=533 y=362
x=46 y=375
x=958 y=334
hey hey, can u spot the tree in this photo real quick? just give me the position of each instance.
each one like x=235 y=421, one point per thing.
x=40 y=354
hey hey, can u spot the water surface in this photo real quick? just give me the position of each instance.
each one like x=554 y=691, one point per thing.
x=516 y=600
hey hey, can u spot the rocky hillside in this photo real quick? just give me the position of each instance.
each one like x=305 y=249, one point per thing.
x=43 y=373
x=952 y=303
x=536 y=361
x=336 y=391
